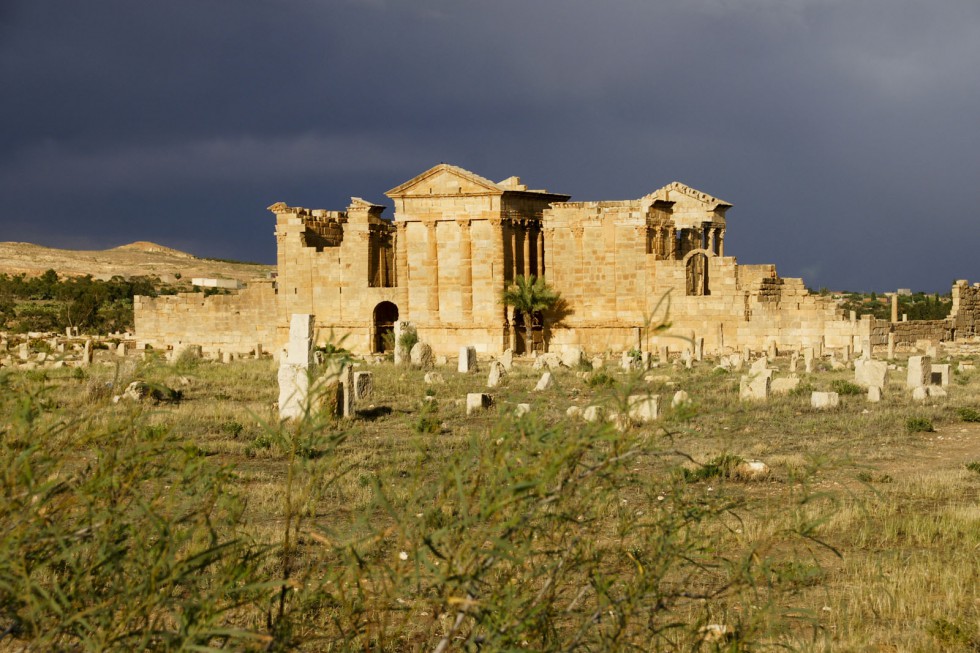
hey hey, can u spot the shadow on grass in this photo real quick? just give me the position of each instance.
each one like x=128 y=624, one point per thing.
x=371 y=414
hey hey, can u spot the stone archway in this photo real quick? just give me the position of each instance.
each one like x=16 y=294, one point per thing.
x=696 y=273
x=384 y=318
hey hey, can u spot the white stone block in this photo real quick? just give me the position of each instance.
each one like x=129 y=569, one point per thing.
x=874 y=394
x=497 y=373
x=643 y=407
x=363 y=385
x=421 y=355
x=545 y=382
x=824 y=400
x=522 y=410
x=784 y=385
x=870 y=373
x=477 y=401
x=919 y=371
x=939 y=374
x=572 y=356
x=467 y=360
x=434 y=378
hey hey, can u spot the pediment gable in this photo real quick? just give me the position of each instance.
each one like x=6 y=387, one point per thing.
x=446 y=179
x=676 y=191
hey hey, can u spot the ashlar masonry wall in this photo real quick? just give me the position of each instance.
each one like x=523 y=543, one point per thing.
x=235 y=322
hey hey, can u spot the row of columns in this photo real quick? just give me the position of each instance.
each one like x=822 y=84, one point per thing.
x=529 y=240
x=666 y=244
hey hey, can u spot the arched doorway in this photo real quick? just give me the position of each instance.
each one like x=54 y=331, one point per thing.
x=385 y=316
x=697 y=274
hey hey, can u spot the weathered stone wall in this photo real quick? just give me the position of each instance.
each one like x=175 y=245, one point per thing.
x=230 y=323
x=458 y=240
x=965 y=313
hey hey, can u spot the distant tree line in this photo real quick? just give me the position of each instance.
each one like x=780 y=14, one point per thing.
x=50 y=303
x=918 y=306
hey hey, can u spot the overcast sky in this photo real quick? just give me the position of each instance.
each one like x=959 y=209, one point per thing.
x=846 y=133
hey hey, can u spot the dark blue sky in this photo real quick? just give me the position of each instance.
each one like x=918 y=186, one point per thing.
x=846 y=133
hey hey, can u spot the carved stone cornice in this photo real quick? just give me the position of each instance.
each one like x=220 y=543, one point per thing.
x=279 y=207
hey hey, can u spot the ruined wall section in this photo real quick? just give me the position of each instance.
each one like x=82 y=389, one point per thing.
x=600 y=258
x=965 y=313
x=228 y=323
x=332 y=276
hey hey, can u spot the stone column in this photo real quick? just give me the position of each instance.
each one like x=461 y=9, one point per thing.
x=465 y=269
x=539 y=242
x=526 y=234
x=894 y=307
x=432 y=263
x=712 y=239
x=721 y=243
x=498 y=277
x=672 y=244
x=401 y=264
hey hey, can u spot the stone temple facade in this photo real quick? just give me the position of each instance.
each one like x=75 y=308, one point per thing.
x=457 y=240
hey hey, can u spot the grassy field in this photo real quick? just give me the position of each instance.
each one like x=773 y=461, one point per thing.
x=206 y=523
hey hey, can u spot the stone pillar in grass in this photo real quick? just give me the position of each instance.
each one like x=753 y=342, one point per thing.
x=467 y=360
x=919 y=372
x=294 y=366
x=402 y=353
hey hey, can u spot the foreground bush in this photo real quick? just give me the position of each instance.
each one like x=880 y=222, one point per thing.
x=121 y=536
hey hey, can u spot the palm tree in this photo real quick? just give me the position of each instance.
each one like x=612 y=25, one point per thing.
x=530 y=295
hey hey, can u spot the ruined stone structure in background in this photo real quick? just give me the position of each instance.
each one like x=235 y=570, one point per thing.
x=458 y=239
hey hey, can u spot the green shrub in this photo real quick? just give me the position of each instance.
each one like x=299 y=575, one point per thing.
x=428 y=421
x=919 y=425
x=974 y=466
x=842 y=387
x=969 y=414
x=599 y=379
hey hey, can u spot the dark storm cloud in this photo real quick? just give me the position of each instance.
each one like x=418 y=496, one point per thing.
x=844 y=132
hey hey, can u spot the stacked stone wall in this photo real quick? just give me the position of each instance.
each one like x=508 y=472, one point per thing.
x=228 y=323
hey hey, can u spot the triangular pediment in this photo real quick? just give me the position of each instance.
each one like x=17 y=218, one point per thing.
x=446 y=179
x=676 y=191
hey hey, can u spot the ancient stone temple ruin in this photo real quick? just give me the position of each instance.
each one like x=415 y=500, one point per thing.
x=456 y=240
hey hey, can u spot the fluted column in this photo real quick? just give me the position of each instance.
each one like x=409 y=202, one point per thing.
x=526 y=235
x=401 y=266
x=498 y=275
x=465 y=269
x=432 y=263
x=539 y=243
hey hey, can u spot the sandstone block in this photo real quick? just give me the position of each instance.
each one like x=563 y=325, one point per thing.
x=507 y=359
x=939 y=374
x=919 y=371
x=870 y=373
x=754 y=387
x=751 y=470
x=784 y=385
x=477 y=401
x=497 y=373
x=681 y=398
x=421 y=355
x=824 y=400
x=522 y=410
x=363 y=385
x=643 y=407
x=434 y=378
x=572 y=357
x=467 y=360
x=593 y=413
x=545 y=382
